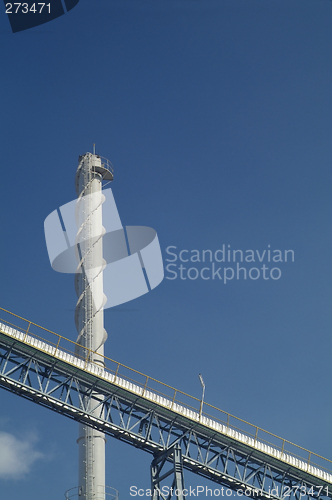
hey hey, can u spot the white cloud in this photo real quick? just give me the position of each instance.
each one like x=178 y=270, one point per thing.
x=17 y=456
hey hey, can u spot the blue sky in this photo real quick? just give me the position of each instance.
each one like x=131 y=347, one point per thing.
x=217 y=117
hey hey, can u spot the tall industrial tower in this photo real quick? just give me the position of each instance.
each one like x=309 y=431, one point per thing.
x=89 y=314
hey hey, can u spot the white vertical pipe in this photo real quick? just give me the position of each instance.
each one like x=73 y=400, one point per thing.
x=89 y=316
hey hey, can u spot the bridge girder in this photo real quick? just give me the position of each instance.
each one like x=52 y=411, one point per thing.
x=170 y=437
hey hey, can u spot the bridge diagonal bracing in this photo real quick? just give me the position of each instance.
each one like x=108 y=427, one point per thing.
x=133 y=414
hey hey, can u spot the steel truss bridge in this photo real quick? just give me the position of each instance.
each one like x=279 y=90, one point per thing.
x=165 y=422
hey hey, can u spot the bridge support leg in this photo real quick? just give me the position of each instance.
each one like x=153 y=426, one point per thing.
x=158 y=475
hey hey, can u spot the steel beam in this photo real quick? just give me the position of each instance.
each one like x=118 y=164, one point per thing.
x=176 y=489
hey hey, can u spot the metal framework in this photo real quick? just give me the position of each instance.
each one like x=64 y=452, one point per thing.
x=47 y=380
x=177 y=488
